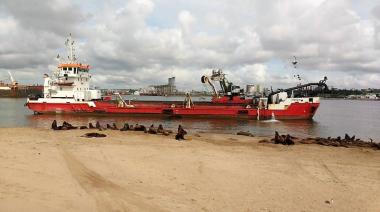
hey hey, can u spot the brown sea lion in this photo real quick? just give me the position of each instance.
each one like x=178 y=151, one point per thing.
x=90 y=126
x=98 y=126
x=54 y=125
x=152 y=130
x=181 y=133
x=125 y=127
x=160 y=129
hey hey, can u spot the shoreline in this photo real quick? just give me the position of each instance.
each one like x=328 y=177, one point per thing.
x=46 y=170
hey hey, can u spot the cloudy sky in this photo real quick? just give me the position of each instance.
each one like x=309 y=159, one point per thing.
x=135 y=43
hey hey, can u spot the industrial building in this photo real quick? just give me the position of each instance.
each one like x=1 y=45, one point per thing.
x=168 y=89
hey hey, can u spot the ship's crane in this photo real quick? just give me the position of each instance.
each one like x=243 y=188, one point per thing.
x=206 y=79
x=218 y=75
x=228 y=88
x=299 y=91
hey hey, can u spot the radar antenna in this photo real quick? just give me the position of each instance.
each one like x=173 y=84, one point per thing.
x=295 y=62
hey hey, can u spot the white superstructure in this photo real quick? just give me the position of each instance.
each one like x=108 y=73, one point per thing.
x=71 y=79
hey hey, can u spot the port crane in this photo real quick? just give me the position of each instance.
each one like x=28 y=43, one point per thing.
x=13 y=81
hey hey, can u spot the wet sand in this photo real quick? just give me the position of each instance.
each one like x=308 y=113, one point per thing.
x=45 y=170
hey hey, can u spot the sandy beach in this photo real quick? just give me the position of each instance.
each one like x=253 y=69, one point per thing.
x=46 y=170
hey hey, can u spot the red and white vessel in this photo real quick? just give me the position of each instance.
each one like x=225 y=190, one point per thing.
x=68 y=91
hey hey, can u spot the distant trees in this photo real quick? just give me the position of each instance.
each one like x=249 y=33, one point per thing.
x=342 y=93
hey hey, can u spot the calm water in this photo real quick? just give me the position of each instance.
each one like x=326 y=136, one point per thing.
x=333 y=118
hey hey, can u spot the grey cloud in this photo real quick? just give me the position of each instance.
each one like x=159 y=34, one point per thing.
x=32 y=33
x=55 y=16
x=241 y=37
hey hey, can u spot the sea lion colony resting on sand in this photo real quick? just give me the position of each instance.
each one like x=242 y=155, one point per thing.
x=138 y=127
x=283 y=139
x=339 y=142
x=348 y=141
x=65 y=126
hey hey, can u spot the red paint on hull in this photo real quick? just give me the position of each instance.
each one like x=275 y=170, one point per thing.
x=60 y=107
x=294 y=111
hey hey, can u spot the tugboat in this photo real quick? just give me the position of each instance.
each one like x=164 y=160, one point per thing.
x=67 y=90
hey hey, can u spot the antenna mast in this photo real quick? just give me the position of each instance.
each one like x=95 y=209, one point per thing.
x=70 y=49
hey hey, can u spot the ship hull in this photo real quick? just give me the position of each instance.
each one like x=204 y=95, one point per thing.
x=21 y=92
x=294 y=111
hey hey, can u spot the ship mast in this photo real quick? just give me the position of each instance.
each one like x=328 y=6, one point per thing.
x=70 y=49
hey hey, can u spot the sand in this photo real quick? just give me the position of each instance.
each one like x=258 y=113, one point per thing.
x=45 y=170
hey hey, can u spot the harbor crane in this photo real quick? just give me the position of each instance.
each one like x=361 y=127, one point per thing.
x=13 y=81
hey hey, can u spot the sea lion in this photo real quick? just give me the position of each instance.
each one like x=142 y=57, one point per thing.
x=347 y=137
x=68 y=126
x=54 y=125
x=94 y=135
x=277 y=138
x=152 y=130
x=125 y=127
x=288 y=140
x=140 y=128
x=160 y=129
x=98 y=126
x=90 y=126
x=181 y=133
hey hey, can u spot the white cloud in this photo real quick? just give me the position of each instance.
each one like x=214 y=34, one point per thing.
x=126 y=48
x=186 y=21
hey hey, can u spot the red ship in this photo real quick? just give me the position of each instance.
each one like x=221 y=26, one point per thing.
x=68 y=91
